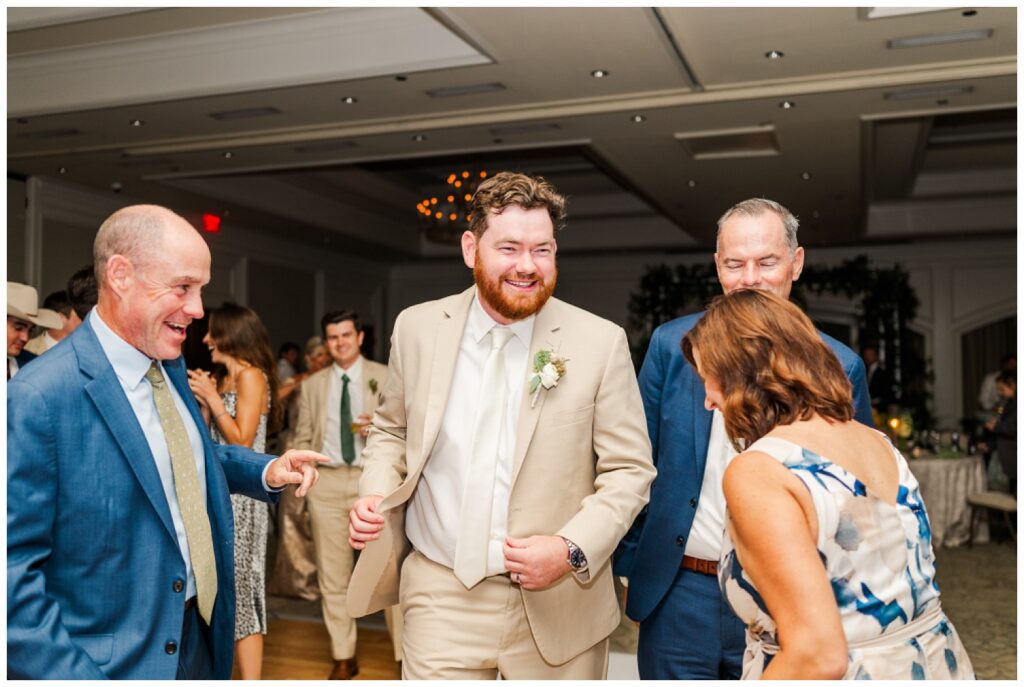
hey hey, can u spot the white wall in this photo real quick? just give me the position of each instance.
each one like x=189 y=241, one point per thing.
x=961 y=285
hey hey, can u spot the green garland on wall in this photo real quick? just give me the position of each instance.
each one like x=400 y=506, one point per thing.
x=887 y=303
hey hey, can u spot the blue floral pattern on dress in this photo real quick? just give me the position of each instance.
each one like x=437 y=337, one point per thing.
x=881 y=566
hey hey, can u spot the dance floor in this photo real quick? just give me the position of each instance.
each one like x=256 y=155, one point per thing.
x=979 y=594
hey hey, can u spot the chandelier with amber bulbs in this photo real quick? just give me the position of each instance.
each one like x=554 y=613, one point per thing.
x=446 y=215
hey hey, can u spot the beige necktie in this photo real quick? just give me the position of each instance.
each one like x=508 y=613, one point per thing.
x=478 y=497
x=190 y=496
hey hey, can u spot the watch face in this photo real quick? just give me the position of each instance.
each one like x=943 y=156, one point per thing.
x=576 y=559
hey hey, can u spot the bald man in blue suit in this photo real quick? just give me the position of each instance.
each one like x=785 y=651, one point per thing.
x=100 y=575
x=670 y=555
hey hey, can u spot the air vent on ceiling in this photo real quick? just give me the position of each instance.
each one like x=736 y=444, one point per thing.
x=132 y=163
x=246 y=113
x=471 y=89
x=755 y=141
x=524 y=129
x=939 y=38
x=928 y=92
x=47 y=134
x=324 y=147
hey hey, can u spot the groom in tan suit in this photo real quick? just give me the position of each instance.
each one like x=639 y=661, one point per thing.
x=335 y=407
x=507 y=458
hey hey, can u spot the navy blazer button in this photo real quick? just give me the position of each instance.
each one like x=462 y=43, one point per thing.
x=680 y=541
x=693 y=503
x=171 y=647
x=178 y=586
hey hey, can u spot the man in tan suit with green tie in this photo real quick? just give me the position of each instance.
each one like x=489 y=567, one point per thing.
x=508 y=457
x=335 y=407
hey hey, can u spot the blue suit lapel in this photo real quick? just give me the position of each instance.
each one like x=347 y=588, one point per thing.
x=106 y=393
x=701 y=424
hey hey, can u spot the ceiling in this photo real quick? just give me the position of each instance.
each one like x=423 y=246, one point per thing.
x=243 y=112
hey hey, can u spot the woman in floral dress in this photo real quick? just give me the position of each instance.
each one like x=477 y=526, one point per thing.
x=240 y=402
x=827 y=555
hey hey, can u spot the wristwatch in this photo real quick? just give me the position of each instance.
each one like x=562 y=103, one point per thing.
x=577 y=559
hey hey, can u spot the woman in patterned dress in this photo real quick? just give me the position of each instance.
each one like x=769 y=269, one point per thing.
x=240 y=402
x=827 y=553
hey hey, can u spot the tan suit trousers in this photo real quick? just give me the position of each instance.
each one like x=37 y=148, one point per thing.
x=453 y=633
x=336 y=492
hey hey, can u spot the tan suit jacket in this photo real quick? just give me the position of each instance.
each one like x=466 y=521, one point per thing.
x=309 y=429
x=37 y=344
x=582 y=462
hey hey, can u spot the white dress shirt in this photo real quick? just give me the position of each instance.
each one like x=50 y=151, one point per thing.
x=705 y=540
x=432 y=516
x=130 y=365
x=12 y=367
x=332 y=426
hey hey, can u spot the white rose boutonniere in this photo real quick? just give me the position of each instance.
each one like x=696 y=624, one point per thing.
x=548 y=369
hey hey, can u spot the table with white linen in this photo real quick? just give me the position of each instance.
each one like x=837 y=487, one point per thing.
x=945 y=485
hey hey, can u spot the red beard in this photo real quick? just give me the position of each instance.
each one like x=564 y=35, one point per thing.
x=512 y=307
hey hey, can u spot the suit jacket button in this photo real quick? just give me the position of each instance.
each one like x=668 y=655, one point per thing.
x=171 y=647
x=178 y=586
x=693 y=503
x=680 y=541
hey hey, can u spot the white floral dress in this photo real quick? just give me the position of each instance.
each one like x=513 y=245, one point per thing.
x=880 y=562
x=252 y=521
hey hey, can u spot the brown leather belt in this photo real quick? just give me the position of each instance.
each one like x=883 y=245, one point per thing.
x=700 y=565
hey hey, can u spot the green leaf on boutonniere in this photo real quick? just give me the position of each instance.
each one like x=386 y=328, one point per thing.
x=534 y=383
x=373 y=385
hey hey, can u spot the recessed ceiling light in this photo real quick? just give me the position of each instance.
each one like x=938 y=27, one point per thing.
x=62 y=170
x=787 y=104
x=939 y=38
x=228 y=155
x=349 y=100
x=805 y=176
x=775 y=54
x=136 y=122
x=599 y=73
x=419 y=138
x=691 y=183
x=637 y=118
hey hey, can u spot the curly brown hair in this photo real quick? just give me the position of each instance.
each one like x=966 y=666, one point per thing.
x=512 y=188
x=769 y=362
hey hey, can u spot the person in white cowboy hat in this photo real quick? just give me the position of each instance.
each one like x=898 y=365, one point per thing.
x=23 y=311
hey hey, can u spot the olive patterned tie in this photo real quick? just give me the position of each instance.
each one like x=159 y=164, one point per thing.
x=190 y=496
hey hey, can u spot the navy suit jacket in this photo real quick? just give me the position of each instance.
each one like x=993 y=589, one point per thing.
x=95 y=578
x=680 y=427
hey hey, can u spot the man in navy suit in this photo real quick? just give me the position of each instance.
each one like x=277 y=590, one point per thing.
x=119 y=528
x=670 y=555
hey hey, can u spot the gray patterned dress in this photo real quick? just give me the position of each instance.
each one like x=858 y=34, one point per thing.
x=251 y=524
x=879 y=559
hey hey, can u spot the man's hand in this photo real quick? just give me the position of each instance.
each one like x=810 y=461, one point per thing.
x=295 y=467
x=535 y=562
x=364 y=523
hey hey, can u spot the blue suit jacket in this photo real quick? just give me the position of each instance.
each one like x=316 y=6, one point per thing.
x=95 y=578
x=680 y=427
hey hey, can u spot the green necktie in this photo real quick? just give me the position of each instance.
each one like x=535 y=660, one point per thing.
x=348 y=440
x=190 y=496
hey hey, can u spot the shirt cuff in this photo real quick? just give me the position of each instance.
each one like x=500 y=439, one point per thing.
x=266 y=486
